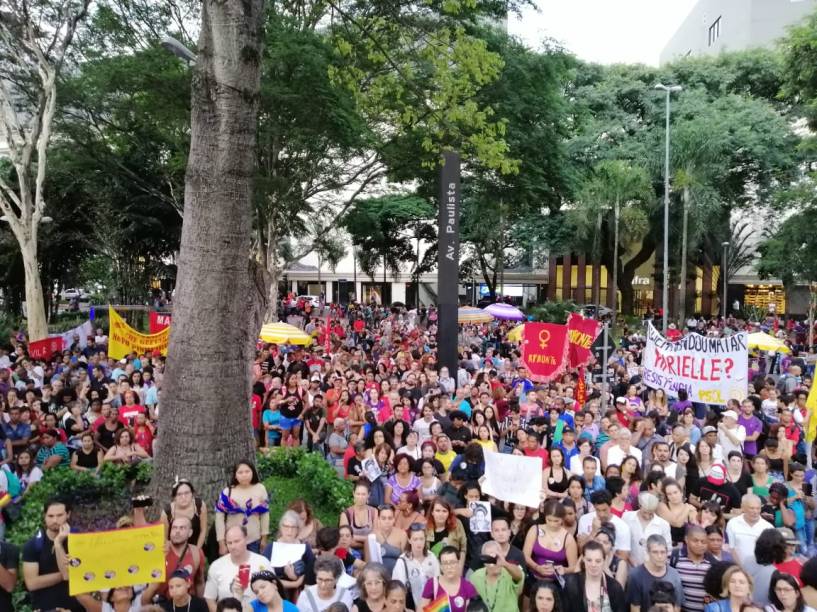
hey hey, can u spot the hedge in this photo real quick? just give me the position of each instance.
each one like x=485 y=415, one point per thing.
x=288 y=473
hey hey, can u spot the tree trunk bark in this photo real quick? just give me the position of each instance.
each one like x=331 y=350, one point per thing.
x=682 y=293
x=204 y=425
x=35 y=305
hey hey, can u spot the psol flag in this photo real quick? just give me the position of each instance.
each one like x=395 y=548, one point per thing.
x=544 y=350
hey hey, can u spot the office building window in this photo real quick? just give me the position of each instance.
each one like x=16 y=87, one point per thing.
x=714 y=31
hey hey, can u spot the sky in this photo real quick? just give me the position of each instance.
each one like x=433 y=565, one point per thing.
x=604 y=31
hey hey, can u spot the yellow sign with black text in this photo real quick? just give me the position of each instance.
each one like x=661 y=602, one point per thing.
x=123 y=339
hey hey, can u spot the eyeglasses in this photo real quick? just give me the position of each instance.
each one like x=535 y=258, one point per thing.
x=289 y=527
x=417 y=527
x=783 y=589
x=449 y=563
x=325 y=580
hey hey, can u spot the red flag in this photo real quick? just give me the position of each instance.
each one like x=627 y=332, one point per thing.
x=44 y=349
x=581 y=333
x=158 y=321
x=544 y=350
x=581 y=388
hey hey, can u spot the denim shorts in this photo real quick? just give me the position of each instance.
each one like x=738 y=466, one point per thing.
x=289 y=424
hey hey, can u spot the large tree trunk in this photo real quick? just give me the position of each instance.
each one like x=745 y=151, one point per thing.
x=682 y=293
x=204 y=424
x=35 y=306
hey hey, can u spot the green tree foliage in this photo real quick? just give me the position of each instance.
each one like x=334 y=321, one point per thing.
x=730 y=141
x=508 y=217
x=791 y=253
x=383 y=229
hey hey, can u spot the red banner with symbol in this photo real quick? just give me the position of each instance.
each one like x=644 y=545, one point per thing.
x=544 y=350
x=581 y=388
x=581 y=334
x=159 y=321
x=44 y=349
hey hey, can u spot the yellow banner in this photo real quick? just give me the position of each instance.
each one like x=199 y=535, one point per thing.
x=123 y=339
x=811 y=415
x=106 y=559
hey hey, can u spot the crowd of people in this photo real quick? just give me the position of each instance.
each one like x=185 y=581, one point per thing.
x=648 y=502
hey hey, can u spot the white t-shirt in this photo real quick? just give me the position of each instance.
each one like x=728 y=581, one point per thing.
x=422 y=428
x=742 y=536
x=639 y=534
x=418 y=573
x=577 y=465
x=223 y=571
x=622 y=530
x=616 y=455
x=726 y=442
x=304 y=602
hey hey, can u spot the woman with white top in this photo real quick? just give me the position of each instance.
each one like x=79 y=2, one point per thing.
x=416 y=565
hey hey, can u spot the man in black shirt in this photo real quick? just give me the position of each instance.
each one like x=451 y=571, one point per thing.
x=9 y=558
x=44 y=569
x=459 y=434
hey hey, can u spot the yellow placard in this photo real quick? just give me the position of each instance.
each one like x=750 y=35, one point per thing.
x=103 y=560
x=123 y=339
x=811 y=415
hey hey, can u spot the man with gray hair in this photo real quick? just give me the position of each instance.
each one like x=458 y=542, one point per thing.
x=655 y=569
x=743 y=530
x=643 y=523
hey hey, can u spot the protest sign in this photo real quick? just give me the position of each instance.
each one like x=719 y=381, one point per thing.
x=157 y=321
x=44 y=349
x=513 y=478
x=81 y=331
x=123 y=339
x=581 y=334
x=581 y=387
x=711 y=370
x=102 y=560
x=544 y=350
x=480 y=519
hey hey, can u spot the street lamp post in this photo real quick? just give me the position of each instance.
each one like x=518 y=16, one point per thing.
x=725 y=275
x=668 y=89
x=177 y=48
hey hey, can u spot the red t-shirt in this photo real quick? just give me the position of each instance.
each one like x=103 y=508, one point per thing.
x=541 y=453
x=143 y=436
x=793 y=567
x=129 y=412
x=256 y=408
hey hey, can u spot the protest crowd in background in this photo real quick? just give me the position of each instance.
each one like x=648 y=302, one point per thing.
x=641 y=500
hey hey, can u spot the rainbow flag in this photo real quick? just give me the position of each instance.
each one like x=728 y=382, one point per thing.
x=439 y=605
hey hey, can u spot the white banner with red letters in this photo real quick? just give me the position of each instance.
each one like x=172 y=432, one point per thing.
x=711 y=370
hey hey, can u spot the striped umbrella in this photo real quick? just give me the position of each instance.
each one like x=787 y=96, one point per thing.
x=505 y=312
x=284 y=333
x=469 y=314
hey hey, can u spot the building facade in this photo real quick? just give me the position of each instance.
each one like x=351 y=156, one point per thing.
x=714 y=26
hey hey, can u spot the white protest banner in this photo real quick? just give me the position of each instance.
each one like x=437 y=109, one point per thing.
x=711 y=370
x=513 y=478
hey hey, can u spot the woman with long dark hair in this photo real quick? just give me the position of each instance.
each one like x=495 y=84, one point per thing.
x=244 y=501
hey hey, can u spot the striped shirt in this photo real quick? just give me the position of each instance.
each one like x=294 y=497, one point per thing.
x=692 y=578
